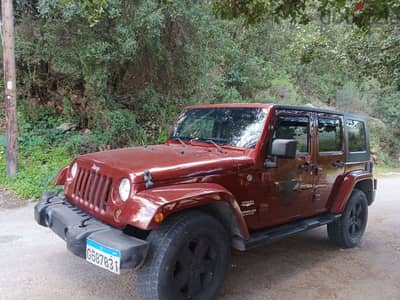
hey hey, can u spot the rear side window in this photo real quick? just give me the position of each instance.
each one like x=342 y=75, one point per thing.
x=356 y=135
x=330 y=135
x=293 y=127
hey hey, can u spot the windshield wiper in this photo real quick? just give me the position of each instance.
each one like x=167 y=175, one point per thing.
x=180 y=141
x=217 y=146
x=210 y=142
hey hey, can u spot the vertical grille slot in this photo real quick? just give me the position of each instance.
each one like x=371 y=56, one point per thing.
x=77 y=181
x=92 y=188
x=83 y=185
x=104 y=194
x=88 y=185
x=108 y=188
x=99 y=190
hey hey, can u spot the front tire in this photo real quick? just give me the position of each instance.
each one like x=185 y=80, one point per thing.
x=347 y=231
x=188 y=258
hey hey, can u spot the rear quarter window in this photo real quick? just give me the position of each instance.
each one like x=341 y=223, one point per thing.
x=356 y=135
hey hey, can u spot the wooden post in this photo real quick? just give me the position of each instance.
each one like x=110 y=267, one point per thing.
x=7 y=15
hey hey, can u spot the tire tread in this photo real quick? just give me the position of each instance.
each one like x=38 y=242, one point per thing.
x=336 y=230
x=160 y=241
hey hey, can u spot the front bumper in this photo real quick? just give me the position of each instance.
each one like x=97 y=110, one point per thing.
x=74 y=226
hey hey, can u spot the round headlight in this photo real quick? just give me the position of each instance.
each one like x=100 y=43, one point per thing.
x=124 y=189
x=74 y=170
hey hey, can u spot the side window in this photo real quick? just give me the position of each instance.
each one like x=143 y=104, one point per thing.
x=329 y=135
x=293 y=127
x=356 y=135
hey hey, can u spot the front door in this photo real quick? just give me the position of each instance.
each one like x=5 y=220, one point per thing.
x=289 y=187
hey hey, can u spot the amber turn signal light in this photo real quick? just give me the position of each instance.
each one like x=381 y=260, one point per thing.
x=159 y=217
x=117 y=213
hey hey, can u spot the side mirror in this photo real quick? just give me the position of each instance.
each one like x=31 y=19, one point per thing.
x=284 y=148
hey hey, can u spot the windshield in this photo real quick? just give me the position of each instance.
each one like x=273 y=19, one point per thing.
x=238 y=127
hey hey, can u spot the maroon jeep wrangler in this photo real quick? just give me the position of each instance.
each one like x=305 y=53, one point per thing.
x=230 y=175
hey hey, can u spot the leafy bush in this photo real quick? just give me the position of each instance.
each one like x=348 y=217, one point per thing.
x=118 y=128
x=37 y=170
x=122 y=71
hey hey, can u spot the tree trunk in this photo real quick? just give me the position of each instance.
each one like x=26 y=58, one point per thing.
x=9 y=85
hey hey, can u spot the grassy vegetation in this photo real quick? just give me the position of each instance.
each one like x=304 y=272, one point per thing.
x=37 y=170
x=121 y=73
x=42 y=152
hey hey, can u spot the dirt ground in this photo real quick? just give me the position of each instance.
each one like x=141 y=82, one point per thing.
x=36 y=265
x=8 y=199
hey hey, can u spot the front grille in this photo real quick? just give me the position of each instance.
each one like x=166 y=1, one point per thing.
x=92 y=189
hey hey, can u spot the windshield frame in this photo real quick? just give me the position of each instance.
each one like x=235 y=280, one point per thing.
x=199 y=141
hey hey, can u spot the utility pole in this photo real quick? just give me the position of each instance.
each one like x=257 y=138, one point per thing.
x=7 y=17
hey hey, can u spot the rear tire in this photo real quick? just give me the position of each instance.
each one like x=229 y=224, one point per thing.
x=347 y=231
x=188 y=258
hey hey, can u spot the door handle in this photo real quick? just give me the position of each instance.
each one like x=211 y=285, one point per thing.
x=338 y=164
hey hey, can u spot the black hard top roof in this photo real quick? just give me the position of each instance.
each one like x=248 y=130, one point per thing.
x=316 y=109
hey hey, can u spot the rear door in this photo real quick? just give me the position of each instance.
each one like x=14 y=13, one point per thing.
x=330 y=156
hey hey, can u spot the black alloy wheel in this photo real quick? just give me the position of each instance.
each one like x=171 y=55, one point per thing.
x=194 y=267
x=356 y=220
x=188 y=258
x=349 y=229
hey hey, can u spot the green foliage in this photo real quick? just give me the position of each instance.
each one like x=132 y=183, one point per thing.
x=42 y=153
x=358 y=12
x=37 y=170
x=92 y=10
x=121 y=71
x=118 y=128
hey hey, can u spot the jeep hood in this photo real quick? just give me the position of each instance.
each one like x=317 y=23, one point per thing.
x=169 y=161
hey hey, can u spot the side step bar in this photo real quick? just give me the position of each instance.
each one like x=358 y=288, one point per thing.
x=276 y=233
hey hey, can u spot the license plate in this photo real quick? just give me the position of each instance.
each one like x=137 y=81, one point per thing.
x=103 y=256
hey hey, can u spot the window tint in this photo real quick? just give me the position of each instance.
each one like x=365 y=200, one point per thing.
x=293 y=127
x=356 y=135
x=329 y=133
